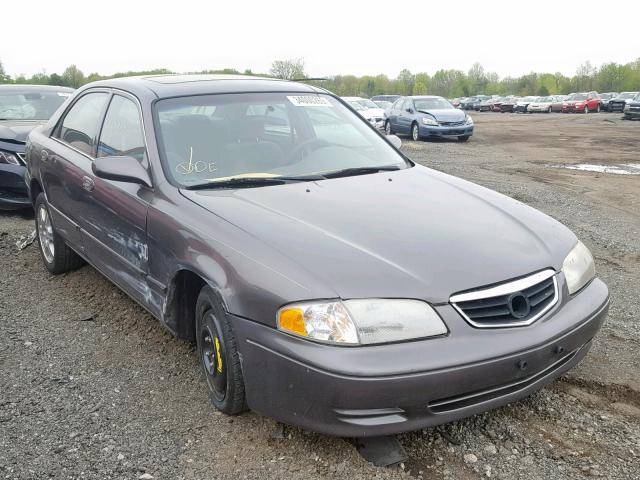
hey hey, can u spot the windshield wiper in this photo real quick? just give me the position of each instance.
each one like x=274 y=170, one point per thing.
x=349 y=172
x=247 y=182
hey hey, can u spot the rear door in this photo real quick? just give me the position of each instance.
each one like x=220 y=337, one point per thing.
x=65 y=159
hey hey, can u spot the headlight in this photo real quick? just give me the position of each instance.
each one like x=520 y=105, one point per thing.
x=469 y=120
x=361 y=322
x=578 y=267
x=8 y=157
x=429 y=121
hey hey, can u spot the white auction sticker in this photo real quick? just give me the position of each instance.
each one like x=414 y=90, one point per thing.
x=64 y=94
x=309 y=101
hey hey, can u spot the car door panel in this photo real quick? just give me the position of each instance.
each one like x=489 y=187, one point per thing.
x=65 y=157
x=114 y=223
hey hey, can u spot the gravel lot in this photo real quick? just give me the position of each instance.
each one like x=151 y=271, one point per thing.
x=92 y=387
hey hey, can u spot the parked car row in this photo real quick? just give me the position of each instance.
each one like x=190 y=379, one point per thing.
x=582 y=102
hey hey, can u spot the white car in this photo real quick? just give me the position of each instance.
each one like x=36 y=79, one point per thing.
x=368 y=109
x=543 y=104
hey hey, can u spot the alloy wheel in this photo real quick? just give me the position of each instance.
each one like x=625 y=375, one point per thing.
x=415 y=132
x=45 y=234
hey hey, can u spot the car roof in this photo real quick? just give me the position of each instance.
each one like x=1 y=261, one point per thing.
x=165 y=86
x=16 y=88
x=424 y=96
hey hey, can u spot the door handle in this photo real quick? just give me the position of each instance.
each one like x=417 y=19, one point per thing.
x=88 y=184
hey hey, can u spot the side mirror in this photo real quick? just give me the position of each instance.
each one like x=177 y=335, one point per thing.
x=410 y=110
x=395 y=140
x=121 y=169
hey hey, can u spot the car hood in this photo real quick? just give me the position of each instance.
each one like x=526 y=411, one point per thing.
x=17 y=130
x=446 y=114
x=423 y=234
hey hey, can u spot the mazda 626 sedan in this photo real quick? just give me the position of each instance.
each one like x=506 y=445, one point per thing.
x=328 y=281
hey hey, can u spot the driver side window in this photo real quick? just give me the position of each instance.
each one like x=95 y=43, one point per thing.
x=80 y=125
x=122 y=130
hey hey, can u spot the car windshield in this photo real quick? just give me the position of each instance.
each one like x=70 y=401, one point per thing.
x=356 y=105
x=213 y=138
x=626 y=95
x=30 y=105
x=432 y=104
x=367 y=103
x=578 y=96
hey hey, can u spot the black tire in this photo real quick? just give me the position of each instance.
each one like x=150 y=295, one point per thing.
x=415 y=132
x=57 y=256
x=549 y=110
x=218 y=354
x=598 y=109
x=464 y=138
x=387 y=128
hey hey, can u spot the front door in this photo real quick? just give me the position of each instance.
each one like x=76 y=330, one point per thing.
x=115 y=219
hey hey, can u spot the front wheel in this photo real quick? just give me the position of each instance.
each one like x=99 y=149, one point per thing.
x=598 y=109
x=415 y=132
x=464 y=138
x=586 y=109
x=387 y=128
x=218 y=354
x=55 y=253
x=549 y=110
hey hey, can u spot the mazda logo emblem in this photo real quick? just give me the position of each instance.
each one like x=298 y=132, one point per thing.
x=519 y=305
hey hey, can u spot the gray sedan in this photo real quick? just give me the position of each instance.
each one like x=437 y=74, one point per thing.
x=327 y=281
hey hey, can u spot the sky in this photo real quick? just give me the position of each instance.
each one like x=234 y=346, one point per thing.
x=357 y=37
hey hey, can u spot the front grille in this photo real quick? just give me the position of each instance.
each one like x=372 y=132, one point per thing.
x=512 y=304
x=452 y=124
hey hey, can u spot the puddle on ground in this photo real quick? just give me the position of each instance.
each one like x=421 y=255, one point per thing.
x=620 y=169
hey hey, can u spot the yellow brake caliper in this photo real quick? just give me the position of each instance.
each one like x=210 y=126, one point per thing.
x=218 y=356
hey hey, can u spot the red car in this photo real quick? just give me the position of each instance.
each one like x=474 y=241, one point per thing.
x=582 y=103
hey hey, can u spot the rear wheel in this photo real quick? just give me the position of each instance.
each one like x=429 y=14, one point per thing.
x=549 y=110
x=415 y=132
x=218 y=354
x=55 y=253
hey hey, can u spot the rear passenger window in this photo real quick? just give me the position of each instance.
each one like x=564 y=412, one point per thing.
x=80 y=126
x=122 y=130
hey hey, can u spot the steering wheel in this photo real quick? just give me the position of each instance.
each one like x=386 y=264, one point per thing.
x=306 y=146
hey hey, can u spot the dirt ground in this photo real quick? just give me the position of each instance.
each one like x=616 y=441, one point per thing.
x=92 y=387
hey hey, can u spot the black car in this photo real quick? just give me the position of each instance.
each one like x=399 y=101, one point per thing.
x=632 y=109
x=471 y=102
x=22 y=107
x=618 y=103
x=606 y=98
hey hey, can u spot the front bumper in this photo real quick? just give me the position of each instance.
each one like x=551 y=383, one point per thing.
x=13 y=189
x=388 y=389
x=446 y=131
x=632 y=114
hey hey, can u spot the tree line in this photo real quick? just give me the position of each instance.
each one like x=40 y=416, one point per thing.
x=609 y=77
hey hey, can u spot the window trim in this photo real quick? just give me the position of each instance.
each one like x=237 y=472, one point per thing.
x=56 y=130
x=136 y=102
